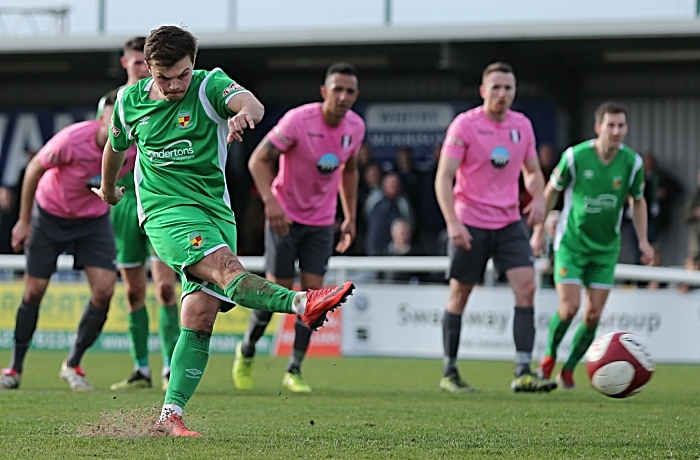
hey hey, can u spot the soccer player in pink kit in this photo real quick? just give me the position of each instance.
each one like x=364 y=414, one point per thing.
x=485 y=150
x=66 y=213
x=316 y=145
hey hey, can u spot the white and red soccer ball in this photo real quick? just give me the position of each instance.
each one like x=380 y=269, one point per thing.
x=619 y=365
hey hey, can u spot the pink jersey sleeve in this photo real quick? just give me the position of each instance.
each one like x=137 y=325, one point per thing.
x=56 y=152
x=456 y=140
x=285 y=135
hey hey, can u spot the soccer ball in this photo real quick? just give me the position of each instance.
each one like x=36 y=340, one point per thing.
x=619 y=365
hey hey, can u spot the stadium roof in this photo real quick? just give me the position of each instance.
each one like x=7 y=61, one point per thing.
x=377 y=35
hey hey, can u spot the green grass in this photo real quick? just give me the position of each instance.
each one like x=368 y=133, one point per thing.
x=370 y=408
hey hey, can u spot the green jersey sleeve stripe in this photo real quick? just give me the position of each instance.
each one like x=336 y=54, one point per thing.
x=127 y=128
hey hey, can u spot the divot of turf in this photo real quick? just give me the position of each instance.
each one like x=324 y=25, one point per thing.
x=129 y=423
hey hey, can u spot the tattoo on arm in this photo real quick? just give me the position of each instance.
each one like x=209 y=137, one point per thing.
x=272 y=153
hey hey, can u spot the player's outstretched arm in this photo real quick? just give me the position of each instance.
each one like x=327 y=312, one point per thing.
x=249 y=111
x=112 y=162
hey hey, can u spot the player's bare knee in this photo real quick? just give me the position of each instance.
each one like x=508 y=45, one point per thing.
x=165 y=293
x=32 y=296
x=136 y=297
x=102 y=296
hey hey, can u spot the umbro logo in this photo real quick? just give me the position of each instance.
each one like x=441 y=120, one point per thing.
x=193 y=373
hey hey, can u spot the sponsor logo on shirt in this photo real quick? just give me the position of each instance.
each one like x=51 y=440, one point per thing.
x=328 y=163
x=176 y=151
x=196 y=240
x=231 y=88
x=484 y=132
x=600 y=203
x=617 y=182
x=515 y=136
x=345 y=141
x=319 y=135
x=500 y=157
x=115 y=131
x=183 y=119
x=95 y=181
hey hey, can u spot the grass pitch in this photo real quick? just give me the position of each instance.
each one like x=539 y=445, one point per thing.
x=361 y=408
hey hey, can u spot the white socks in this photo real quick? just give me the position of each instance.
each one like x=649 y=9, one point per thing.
x=299 y=303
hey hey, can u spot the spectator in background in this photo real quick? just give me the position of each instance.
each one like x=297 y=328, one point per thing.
x=691 y=216
x=410 y=179
x=400 y=245
x=380 y=212
x=364 y=158
x=668 y=193
x=432 y=222
x=370 y=184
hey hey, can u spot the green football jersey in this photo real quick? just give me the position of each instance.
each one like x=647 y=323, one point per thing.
x=589 y=223
x=182 y=144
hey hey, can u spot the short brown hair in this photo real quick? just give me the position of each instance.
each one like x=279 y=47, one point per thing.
x=609 y=107
x=167 y=45
x=134 y=44
x=497 y=66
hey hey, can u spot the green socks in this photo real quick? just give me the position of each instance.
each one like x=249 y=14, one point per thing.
x=138 y=334
x=557 y=329
x=168 y=331
x=257 y=293
x=190 y=359
x=583 y=338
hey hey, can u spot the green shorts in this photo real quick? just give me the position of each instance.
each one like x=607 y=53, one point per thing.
x=184 y=235
x=133 y=247
x=597 y=272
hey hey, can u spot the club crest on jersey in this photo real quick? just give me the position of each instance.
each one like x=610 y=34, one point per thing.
x=196 y=240
x=500 y=157
x=115 y=131
x=231 y=88
x=515 y=136
x=183 y=119
x=563 y=271
x=345 y=141
x=617 y=182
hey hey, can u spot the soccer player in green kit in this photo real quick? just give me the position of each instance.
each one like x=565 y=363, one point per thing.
x=598 y=176
x=182 y=120
x=133 y=250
